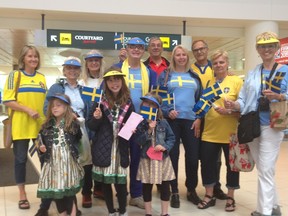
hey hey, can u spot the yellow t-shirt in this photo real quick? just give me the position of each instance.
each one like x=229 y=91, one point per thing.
x=205 y=74
x=31 y=93
x=218 y=128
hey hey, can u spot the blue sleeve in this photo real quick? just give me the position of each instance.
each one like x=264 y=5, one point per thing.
x=170 y=137
x=152 y=78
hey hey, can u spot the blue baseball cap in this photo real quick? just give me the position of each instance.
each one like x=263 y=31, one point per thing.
x=151 y=99
x=136 y=41
x=60 y=97
x=72 y=62
x=94 y=55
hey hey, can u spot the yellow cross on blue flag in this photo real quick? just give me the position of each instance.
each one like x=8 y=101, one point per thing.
x=273 y=85
x=168 y=98
x=279 y=76
x=91 y=94
x=159 y=90
x=118 y=39
x=202 y=107
x=35 y=145
x=148 y=113
x=212 y=91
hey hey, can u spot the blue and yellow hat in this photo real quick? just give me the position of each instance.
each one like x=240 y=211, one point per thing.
x=113 y=73
x=60 y=97
x=154 y=100
x=136 y=41
x=94 y=55
x=72 y=62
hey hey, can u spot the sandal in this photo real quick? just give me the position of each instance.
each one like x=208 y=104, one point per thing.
x=230 y=207
x=204 y=204
x=23 y=204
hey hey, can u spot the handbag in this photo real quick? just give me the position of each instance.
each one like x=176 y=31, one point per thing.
x=279 y=115
x=240 y=158
x=248 y=127
x=7 y=123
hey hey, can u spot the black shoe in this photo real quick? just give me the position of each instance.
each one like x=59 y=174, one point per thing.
x=175 y=201
x=193 y=197
x=42 y=212
x=219 y=194
x=78 y=213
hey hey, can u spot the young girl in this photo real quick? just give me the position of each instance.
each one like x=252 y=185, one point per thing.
x=110 y=153
x=61 y=174
x=159 y=136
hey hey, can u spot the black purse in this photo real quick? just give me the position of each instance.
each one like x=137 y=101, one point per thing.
x=249 y=127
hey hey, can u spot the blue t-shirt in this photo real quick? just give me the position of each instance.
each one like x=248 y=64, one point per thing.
x=135 y=86
x=183 y=86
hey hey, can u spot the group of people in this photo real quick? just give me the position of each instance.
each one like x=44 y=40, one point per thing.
x=126 y=87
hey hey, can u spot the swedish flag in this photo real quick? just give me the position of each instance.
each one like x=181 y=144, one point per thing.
x=168 y=98
x=273 y=85
x=91 y=94
x=212 y=91
x=148 y=113
x=279 y=76
x=202 y=107
x=118 y=39
x=160 y=90
x=35 y=145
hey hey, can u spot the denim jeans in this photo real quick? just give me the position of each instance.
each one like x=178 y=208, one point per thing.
x=209 y=155
x=182 y=130
x=20 y=149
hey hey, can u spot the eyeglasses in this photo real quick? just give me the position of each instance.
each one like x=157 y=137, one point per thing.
x=201 y=49
x=266 y=46
x=135 y=46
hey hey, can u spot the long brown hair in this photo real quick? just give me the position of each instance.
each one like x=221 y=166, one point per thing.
x=68 y=115
x=123 y=95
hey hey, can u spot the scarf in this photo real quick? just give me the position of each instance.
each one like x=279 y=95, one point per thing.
x=144 y=75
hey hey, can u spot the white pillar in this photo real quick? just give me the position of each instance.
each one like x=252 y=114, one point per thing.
x=251 y=56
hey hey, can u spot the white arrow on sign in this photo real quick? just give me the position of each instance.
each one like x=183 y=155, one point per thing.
x=174 y=42
x=53 y=38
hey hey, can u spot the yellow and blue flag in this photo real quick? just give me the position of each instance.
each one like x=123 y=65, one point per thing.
x=212 y=92
x=168 y=99
x=118 y=39
x=160 y=90
x=202 y=107
x=148 y=113
x=275 y=84
x=91 y=94
x=35 y=146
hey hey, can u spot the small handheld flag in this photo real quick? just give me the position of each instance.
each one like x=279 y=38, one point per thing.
x=148 y=113
x=275 y=84
x=35 y=146
x=211 y=91
x=91 y=94
x=159 y=90
x=168 y=99
x=202 y=107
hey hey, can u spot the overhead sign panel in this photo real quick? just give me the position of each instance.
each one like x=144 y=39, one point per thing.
x=104 y=40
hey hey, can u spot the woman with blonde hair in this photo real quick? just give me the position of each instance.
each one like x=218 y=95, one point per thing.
x=187 y=88
x=28 y=111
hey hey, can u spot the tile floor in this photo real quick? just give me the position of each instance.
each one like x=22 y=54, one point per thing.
x=245 y=197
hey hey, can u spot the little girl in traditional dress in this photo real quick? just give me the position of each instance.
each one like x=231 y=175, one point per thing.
x=156 y=139
x=61 y=175
x=110 y=153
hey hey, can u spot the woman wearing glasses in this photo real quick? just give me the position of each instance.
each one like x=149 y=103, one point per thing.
x=265 y=149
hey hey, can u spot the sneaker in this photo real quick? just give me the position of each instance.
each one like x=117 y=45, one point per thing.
x=86 y=201
x=98 y=194
x=276 y=211
x=42 y=212
x=219 y=194
x=193 y=197
x=137 y=201
x=175 y=201
x=255 y=213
